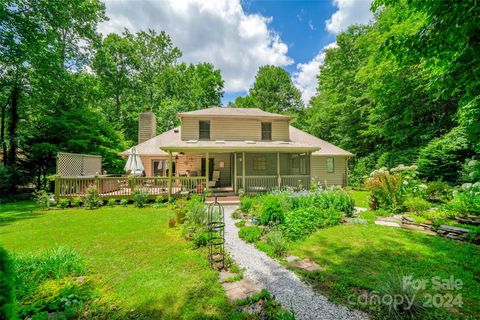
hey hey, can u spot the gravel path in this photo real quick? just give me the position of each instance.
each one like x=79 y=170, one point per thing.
x=287 y=288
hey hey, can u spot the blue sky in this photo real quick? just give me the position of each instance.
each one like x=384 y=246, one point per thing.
x=239 y=36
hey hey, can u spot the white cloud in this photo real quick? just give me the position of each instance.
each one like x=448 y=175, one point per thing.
x=310 y=25
x=349 y=12
x=219 y=32
x=305 y=78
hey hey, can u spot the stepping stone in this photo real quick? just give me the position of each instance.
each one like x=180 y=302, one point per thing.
x=291 y=259
x=306 y=265
x=387 y=223
x=225 y=275
x=240 y=290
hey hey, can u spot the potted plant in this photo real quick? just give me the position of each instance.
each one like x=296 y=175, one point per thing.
x=200 y=188
x=171 y=222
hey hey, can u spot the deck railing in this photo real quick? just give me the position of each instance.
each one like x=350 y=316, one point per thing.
x=254 y=184
x=119 y=187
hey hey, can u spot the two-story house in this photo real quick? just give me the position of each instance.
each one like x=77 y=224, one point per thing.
x=228 y=149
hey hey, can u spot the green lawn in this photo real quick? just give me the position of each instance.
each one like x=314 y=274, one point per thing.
x=359 y=257
x=148 y=267
x=360 y=197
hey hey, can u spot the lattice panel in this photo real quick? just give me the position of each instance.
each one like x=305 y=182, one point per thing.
x=74 y=165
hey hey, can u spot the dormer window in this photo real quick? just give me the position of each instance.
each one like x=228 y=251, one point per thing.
x=204 y=130
x=266 y=131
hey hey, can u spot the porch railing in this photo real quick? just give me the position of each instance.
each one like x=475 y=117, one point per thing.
x=119 y=187
x=255 y=184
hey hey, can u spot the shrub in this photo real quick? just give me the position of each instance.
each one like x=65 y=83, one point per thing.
x=417 y=205
x=276 y=239
x=123 y=202
x=42 y=198
x=63 y=203
x=197 y=214
x=303 y=221
x=159 y=201
x=111 y=202
x=466 y=201
x=7 y=287
x=250 y=234
x=337 y=199
x=271 y=211
x=140 y=197
x=387 y=189
x=246 y=204
x=240 y=223
x=46 y=283
x=181 y=209
x=442 y=158
x=76 y=202
x=438 y=191
x=200 y=239
x=91 y=199
x=408 y=300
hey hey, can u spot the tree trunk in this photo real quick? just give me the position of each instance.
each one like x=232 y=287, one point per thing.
x=12 y=127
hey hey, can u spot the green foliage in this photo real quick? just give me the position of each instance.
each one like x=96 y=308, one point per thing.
x=246 y=204
x=140 y=197
x=471 y=171
x=6 y=182
x=47 y=282
x=387 y=188
x=197 y=213
x=337 y=199
x=276 y=239
x=271 y=210
x=442 y=158
x=273 y=91
x=466 y=201
x=301 y=222
x=111 y=202
x=240 y=223
x=200 y=238
x=408 y=301
x=123 y=202
x=250 y=234
x=42 y=198
x=63 y=203
x=76 y=202
x=91 y=199
x=181 y=210
x=8 y=308
x=438 y=191
x=416 y=205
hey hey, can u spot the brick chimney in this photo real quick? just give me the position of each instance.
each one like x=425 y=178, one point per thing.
x=147 y=126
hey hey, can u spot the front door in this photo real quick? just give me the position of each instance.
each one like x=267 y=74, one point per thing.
x=210 y=168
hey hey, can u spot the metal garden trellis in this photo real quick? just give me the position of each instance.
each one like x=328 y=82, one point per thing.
x=216 y=235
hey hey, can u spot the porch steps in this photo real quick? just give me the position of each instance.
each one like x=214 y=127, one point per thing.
x=230 y=199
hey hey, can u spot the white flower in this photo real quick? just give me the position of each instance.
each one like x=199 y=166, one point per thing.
x=466 y=186
x=422 y=186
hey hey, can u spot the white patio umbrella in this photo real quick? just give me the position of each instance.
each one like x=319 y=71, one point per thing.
x=134 y=163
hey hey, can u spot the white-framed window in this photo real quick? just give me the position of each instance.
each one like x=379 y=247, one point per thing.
x=330 y=165
x=259 y=163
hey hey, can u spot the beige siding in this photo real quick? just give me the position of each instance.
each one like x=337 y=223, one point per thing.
x=148 y=164
x=189 y=129
x=280 y=130
x=319 y=170
x=234 y=129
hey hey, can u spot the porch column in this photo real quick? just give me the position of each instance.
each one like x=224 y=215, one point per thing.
x=243 y=172
x=170 y=166
x=207 y=170
x=235 y=172
x=279 y=179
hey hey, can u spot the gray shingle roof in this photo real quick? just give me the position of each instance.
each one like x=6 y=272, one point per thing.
x=298 y=140
x=233 y=112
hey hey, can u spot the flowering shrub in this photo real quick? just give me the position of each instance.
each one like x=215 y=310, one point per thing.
x=466 y=201
x=387 y=188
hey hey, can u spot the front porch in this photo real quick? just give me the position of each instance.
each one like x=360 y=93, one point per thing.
x=191 y=173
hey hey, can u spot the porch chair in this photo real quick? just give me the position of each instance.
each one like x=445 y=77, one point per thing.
x=215 y=179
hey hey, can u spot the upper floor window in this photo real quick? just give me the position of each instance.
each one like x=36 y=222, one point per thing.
x=204 y=130
x=330 y=165
x=266 y=131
